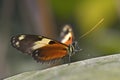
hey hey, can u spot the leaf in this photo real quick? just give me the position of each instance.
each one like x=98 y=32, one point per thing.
x=101 y=68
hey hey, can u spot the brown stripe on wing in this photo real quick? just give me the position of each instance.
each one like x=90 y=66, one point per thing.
x=50 y=52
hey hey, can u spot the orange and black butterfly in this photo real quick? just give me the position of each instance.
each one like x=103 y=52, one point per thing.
x=44 y=49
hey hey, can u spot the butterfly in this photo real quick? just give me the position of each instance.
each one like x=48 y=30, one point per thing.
x=44 y=49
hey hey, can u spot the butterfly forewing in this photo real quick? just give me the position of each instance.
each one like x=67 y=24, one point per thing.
x=40 y=47
x=28 y=43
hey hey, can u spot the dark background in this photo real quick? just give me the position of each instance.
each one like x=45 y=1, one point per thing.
x=46 y=17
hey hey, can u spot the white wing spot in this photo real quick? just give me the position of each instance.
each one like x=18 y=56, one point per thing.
x=66 y=38
x=37 y=53
x=21 y=37
x=17 y=44
x=41 y=43
x=13 y=41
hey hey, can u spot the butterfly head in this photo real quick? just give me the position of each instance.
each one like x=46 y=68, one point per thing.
x=74 y=48
x=68 y=39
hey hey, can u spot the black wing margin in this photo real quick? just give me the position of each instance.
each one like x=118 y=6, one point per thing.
x=24 y=43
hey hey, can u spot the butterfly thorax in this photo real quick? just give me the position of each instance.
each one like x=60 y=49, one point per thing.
x=70 y=49
x=73 y=48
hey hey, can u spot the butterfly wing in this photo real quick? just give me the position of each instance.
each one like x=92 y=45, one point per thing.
x=50 y=52
x=28 y=43
x=40 y=47
x=67 y=35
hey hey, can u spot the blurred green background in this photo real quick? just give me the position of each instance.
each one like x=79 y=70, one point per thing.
x=46 y=17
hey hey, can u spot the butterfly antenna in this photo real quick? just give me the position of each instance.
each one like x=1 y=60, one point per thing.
x=93 y=28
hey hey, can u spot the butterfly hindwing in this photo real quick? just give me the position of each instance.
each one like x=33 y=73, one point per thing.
x=50 y=52
x=67 y=35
